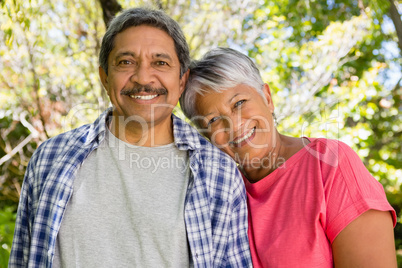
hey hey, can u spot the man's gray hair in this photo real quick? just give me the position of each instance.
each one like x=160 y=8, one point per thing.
x=219 y=69
x=145 y=16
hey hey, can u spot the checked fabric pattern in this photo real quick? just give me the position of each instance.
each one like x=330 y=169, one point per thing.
x=215 y=209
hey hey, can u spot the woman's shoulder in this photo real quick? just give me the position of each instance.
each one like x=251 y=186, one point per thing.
x=329 y=143
x=331 y=148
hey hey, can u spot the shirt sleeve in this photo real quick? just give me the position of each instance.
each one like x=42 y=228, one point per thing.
x=350 y=190
x=22 y=239
x=238 y=250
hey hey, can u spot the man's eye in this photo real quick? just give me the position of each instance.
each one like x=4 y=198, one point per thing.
x=124 y=62
x=161 y=63
x=238 y=103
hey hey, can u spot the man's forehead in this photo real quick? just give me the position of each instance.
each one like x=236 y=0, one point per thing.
x=158 y=44
x=144 y=29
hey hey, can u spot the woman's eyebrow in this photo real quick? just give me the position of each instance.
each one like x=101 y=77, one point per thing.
x=235 y=95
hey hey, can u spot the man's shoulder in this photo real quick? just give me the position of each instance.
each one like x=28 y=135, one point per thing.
x=70 y=141
x=213 y=170
x=76 y=138
x=68 y=137
x=210 y=153
x=205 y=150
x=219 y=173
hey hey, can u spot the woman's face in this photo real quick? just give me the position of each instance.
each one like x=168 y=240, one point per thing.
x=239 y=121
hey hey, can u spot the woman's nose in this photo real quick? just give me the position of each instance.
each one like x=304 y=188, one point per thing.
x=233 y=123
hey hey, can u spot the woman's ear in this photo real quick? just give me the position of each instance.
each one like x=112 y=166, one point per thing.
x=268 y=97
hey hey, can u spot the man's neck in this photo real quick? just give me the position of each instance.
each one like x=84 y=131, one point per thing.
x=143 y=134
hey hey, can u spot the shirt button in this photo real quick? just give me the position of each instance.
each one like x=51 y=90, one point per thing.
x=61 y=203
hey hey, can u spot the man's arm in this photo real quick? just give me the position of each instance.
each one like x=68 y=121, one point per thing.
x=22 y=234
x=238 y=250
x=368 y=241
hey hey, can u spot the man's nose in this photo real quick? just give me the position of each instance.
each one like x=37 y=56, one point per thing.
x=143 y=74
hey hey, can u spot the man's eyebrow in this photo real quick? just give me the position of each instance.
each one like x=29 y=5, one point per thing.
x=124 y=53
x=162 y=56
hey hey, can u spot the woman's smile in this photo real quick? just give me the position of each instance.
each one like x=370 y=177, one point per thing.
x=245 y=138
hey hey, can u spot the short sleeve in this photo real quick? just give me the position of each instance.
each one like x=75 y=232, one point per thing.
x=350 y=190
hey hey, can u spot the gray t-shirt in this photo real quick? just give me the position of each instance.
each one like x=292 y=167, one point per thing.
x=127 y=209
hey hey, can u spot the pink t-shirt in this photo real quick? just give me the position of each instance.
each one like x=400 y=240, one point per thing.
x=296 y=212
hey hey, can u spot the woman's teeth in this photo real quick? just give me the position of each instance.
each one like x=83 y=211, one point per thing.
x=245 y=137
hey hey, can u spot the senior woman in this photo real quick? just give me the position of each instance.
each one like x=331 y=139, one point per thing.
x=311 y=201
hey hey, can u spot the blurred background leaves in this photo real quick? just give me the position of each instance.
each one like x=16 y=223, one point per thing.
x=334 y=68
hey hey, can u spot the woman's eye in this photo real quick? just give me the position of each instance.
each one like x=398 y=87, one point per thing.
x=212 y=120
x=238 y=103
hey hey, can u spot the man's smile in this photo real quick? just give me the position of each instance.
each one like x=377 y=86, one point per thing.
x=144 y=97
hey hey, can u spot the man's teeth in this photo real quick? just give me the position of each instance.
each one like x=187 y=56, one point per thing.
x=245 y=137
x=143 y=97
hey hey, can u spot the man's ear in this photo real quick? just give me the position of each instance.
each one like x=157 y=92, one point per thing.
x=103 y=78
x=183 y=81
x=268 y=97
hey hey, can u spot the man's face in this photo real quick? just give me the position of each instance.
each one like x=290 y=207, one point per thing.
x=144 y=82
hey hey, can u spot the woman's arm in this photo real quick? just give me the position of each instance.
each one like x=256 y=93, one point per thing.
x=368 y=241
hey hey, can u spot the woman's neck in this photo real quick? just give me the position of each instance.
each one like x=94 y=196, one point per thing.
x=284 y=148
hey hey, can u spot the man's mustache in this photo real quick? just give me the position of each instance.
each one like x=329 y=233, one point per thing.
x=138 y=88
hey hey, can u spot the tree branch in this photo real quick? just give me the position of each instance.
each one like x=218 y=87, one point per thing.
x=34 y=134
x=361 y=6
x=109 y=10
x=16 y=149
x=35 y=84
x=396 y=19
x=159 y=5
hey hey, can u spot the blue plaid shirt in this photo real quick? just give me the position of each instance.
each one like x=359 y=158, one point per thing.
x=215 y=209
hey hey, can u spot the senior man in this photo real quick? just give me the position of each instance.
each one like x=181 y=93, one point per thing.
x=94 y=197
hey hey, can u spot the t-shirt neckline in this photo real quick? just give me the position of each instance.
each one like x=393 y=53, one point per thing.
x=271 y=178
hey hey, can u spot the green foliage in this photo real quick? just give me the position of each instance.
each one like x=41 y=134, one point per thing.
x=7 y=225
x=328 y=64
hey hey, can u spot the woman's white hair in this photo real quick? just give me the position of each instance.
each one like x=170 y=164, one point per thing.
x=219 y=69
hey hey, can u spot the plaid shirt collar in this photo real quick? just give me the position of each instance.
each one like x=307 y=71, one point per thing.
x=185 y=136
